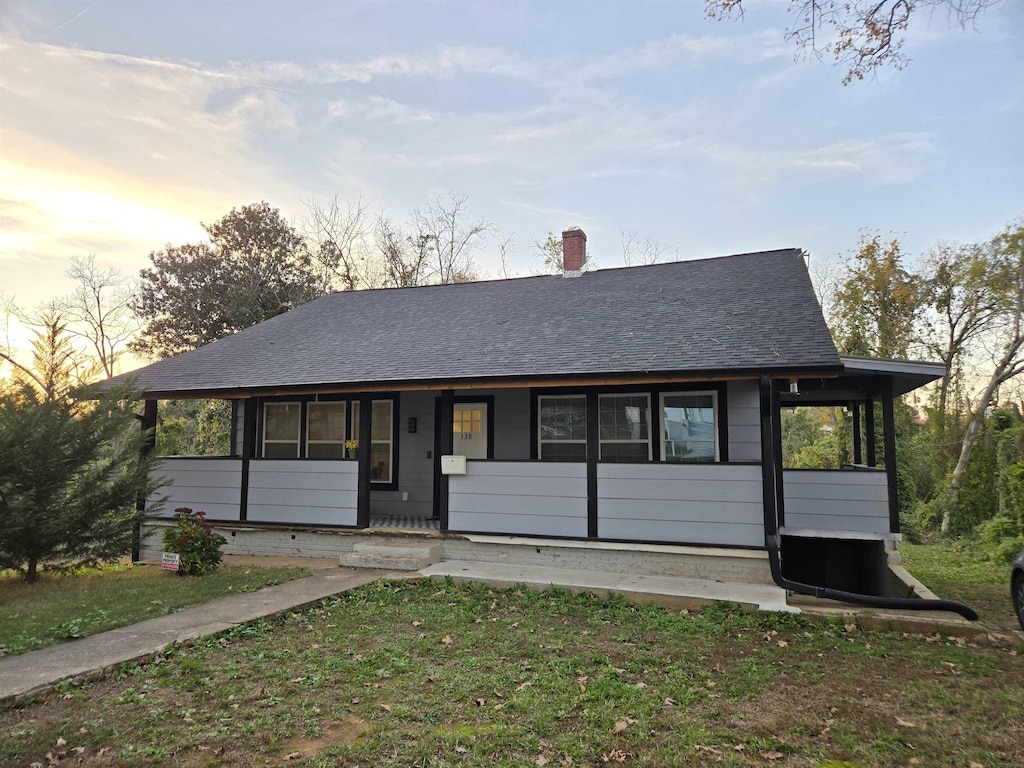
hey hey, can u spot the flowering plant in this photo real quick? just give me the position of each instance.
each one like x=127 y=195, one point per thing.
x=194 y=540
x=352 y=445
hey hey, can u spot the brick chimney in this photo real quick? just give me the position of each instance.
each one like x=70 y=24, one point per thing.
x=574 y=251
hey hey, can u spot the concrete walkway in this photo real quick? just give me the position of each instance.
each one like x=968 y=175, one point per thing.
x=37 y=671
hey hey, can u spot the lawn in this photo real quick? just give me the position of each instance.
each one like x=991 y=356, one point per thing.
x=421 y=673
x=957 y=572
x=58 y=608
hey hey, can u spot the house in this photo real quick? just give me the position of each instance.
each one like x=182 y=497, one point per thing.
x=605 y=412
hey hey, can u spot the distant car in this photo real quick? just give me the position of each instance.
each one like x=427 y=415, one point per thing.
x=1017 y=587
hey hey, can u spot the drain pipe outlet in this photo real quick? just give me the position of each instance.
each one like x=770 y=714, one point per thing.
x=875 y=601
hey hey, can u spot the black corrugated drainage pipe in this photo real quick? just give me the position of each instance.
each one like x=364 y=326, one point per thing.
x=875 y=601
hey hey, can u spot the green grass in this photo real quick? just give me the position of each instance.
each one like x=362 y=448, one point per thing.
x=958 y=572
x=58 y=608
x=438 y=674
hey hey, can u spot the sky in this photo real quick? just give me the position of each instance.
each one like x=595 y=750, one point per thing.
x=123 y=125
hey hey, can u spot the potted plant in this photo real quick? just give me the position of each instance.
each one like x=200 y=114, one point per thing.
x=352 y=446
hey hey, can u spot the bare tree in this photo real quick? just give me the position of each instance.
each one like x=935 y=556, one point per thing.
x=99 y=310
x=861 y=35
x=550 y=249
x=640 y=249
x=505 y=245
x=337 y=232
x=441 y=227
x=405 y=257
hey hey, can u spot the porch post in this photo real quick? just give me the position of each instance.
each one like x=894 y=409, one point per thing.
x=889 y=440
x=869 y=431
x=147 y=421
x=445 y=445
x=593 y=452
x=857 y=455
x=769 y=494
x=365 y=436
x=251 y=407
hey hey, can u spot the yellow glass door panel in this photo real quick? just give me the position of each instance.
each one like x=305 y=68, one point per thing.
x=469 y=430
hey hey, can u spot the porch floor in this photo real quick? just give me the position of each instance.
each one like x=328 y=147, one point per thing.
x=671 y=592
x=405 y=522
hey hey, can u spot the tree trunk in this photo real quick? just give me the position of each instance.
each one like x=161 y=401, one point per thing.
x=31 y=573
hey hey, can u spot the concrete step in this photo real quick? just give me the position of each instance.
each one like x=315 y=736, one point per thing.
x=391 y=555
x=670 y=592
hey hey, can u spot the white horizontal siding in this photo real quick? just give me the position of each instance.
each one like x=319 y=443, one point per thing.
x=839 y=500
x=717 y=504
x=213 y=486
x=303 y=492
x=529 y=498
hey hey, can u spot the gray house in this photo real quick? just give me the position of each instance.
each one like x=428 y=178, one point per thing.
x=610 y=412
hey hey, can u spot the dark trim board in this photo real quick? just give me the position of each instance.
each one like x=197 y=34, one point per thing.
x=653 y=542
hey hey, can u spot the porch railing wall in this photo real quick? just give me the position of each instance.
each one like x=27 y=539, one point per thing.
x=520 y=497
x=313 y=492
x=839 y=500
x=210 y=485
x=718 y=504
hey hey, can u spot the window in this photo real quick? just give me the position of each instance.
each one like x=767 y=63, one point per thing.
x=281 y=430
x=562 y=428
x=689 y=431
x=625 y=427
x=325 y=430
x=382 y=446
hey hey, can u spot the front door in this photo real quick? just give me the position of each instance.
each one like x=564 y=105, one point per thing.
x=469 y=430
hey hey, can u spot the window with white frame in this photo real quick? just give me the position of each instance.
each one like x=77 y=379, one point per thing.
x=382 y=446
x=689 y=426
x=325 y=430
x=562 y=427
x=624 y=422
x=281 y=429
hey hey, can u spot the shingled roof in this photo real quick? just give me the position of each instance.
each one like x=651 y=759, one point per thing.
x=744 y=313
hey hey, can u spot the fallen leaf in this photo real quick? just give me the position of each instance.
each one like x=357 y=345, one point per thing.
x=671 y=702
x=581 y=681
x=541 y=760
x=905 y=723
x=641 y=685
x=521 y=686
x=479 y=702
x=702 y=748
x=61 y=742
x=976 y=765
x=386 y=707
x=293 y=756
x=417 y=623
x=783 y=644
x=621 y=725
x=461 y=750
x=738 y=747
x=772 y=755
x=447 y=640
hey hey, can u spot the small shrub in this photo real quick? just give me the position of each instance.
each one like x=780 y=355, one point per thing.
x=194 y=540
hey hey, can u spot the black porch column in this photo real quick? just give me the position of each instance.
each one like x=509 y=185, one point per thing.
x=147 y=421
x=445 y=443
x=889 y=441
x=593 y=454
x=251 y=405
x=857 y=455
x=768 y=469
x=869 y=431
x=364 y=437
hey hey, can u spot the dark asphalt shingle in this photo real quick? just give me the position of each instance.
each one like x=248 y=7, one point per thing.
x=748 y=312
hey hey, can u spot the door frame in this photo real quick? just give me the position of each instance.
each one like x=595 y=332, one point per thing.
x=487 y=400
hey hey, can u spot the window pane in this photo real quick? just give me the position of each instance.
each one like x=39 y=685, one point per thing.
x=689 y=424
x=628 y=452
x=380 y=462
x=355 y=420
x=326 y=421
x=381 y=423
x=326 y=451
x=563 y=452
x=281 y=450
x=624 y=417
x=563 y=418
x=282 y=421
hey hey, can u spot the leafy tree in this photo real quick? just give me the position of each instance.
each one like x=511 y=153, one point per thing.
x=193 y=428
x=1007 y=267
x=877 y=301
x=861 y=35
x=255 y=266
x=71 y=465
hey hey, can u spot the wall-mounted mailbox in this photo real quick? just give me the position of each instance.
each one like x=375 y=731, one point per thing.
x=453 y=465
